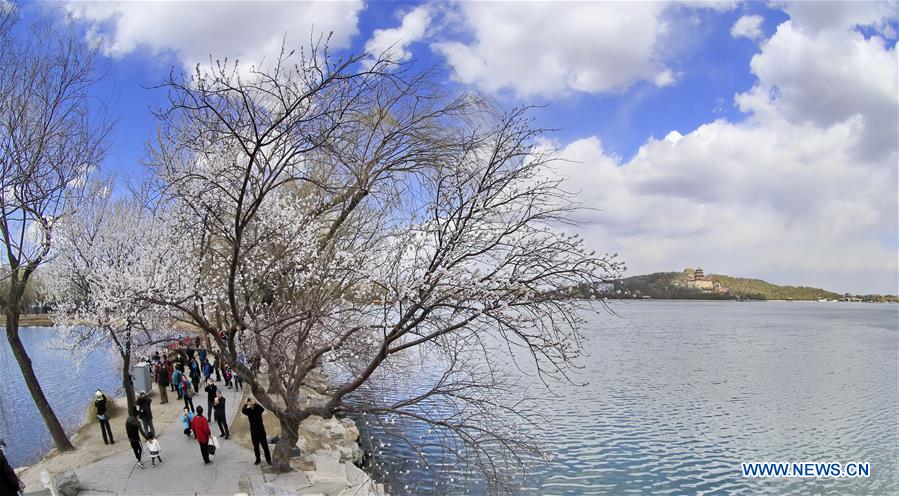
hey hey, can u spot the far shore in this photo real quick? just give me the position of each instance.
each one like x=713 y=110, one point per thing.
x=35 y=319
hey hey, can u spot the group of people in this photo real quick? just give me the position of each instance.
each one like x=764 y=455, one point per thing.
x=184 y=380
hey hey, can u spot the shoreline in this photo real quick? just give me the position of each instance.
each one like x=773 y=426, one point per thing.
x=35 y=320
x=88 y=441
x=327 y=466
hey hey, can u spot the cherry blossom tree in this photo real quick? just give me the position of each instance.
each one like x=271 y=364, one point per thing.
x=361 y=216
x=109 y=257
x=51 y=135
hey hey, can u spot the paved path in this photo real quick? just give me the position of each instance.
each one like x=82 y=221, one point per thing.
x=182 y=471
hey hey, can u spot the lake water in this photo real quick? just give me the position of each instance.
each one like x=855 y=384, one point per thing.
x=68 y=386
x=680 y=393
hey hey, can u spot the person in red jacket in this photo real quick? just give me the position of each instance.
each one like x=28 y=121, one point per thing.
x=200 y=426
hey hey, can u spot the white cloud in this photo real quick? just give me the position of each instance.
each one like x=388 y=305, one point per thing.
x=549 y=49
x=826 y=15
x=748 y=26
x=665 y=78
x=546 y=49
x=781 y=201
x=803 y=191
x=193 y=31
x=827 y=77
x=393 y=43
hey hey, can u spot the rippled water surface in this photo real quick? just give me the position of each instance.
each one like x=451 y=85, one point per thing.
x=68 y=386
x=680 y=393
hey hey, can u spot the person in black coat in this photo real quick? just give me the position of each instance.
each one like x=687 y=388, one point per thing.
x=210 y=389
x=219 y=415
x=9 y=481
x=135 y=431
x=146 y=415
x=102 y=417
x=253 y=411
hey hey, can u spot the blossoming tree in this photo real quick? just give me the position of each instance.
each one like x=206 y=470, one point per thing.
x=365 y=218
x=110 y=255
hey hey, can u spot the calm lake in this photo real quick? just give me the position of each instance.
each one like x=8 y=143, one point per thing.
x=68 y=386
x=679 y=394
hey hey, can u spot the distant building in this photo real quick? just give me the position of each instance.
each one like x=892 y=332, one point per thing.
x=696 y=279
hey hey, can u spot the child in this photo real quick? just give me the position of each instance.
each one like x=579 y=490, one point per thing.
x=227 y=374
x=186 y=417
x=153 y=448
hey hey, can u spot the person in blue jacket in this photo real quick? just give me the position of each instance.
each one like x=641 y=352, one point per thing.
x=186 y=417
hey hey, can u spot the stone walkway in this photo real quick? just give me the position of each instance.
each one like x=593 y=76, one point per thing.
x=182 y=471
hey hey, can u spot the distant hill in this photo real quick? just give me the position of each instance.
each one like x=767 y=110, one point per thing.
x=671 y=285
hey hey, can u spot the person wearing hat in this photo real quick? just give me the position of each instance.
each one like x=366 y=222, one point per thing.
x=9 y=481
x=102 y=417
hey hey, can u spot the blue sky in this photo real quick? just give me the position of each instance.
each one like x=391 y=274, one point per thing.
x=755 y=139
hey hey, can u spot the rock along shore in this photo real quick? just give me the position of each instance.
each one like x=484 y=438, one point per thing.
x=329 y=453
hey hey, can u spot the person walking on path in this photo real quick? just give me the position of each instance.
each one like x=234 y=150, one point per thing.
x=135 y=431
x=146 y=414
x=202 y=432
x=9 y=481
x=226 y=373
x=207 y=370
x=186 y=417
x=195 y=376
x=210 y=389
x=219 y=415
x=177 y=375
x=254 y=411
x=162 y=379
x=187 y=393
x=100 y=407
x=170 y=370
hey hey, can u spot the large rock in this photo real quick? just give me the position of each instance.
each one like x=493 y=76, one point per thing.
x=341 y=435
x=66 y=483
x=327 y=464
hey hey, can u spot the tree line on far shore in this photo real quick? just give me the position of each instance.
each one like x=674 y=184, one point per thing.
x=669 y=286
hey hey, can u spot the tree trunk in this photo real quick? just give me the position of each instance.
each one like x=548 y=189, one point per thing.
x=127 y=385
x=37 y=394
x=287 y=439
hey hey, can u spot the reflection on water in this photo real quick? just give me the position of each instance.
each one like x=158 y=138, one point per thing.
x=68 y=387
x=680 y=393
